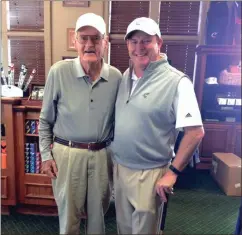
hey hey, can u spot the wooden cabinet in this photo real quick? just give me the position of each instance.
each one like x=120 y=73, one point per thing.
x=34 y=190
x=8 y=173
x=216 y=139
x=221 y=134
x=221 y=137
x=236 y=141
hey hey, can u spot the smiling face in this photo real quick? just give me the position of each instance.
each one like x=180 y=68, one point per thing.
x=90 y=45
x=143 y=48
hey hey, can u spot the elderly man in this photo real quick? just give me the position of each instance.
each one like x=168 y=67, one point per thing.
x=155 y=100
x=77 y=116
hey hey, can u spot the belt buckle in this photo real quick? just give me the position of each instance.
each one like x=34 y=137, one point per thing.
x=89 y=146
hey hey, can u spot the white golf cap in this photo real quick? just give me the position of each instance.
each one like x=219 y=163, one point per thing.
x=144 y=24
x=93 y=20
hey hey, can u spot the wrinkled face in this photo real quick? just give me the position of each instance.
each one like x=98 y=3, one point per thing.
x=143 y=48
x=90 y=44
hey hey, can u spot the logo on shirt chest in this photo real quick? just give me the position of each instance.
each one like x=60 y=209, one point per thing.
x=188 y=115
x=145 y=95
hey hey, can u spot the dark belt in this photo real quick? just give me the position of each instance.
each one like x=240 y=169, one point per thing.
x=91 y=146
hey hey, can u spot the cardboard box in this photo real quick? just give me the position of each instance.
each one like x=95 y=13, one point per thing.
x=226 y=170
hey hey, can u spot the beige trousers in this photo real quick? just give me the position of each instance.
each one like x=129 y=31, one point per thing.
x=82 y=186
x=138 y=206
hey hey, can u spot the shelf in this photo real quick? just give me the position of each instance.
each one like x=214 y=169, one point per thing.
x=221 y=116
x=39 y=174
x=221 y=86
x=234 y=111
x=220 y=122
x=33 y=135
x=219 y=49
x=32 y=103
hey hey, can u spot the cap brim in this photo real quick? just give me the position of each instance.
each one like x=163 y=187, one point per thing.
x=88 y=25
x=128 y=34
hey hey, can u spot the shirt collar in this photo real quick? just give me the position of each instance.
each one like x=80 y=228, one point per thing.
x=134 y=77
x=79 y=72
x=156 y=64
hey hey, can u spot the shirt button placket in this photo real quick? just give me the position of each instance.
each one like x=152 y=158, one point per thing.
x=91 y=102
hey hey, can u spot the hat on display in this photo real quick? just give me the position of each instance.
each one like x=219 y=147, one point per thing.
x=211 y=80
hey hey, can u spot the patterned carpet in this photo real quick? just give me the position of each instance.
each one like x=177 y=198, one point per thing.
x=197 y=207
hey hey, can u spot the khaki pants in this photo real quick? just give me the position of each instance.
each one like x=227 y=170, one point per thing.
x=138 y=206
x=82 y=186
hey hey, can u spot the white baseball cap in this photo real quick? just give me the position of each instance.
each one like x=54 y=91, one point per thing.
x=144 y=24
x=93 y=20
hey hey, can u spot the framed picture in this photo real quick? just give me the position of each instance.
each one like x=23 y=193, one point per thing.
x=37 y=92
x=75 y=3
x=70 y=39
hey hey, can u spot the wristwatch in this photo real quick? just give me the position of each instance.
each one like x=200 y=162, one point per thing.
x=173 y=169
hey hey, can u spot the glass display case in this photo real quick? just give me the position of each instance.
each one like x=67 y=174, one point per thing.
x=221 y=100
x=217 y=85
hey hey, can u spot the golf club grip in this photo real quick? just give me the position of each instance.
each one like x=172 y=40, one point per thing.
x=164 y=212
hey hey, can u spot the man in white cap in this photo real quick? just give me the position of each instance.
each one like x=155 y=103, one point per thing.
x=155 y=100
x=77 y=117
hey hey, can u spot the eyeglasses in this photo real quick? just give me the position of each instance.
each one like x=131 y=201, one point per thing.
x=95 y=39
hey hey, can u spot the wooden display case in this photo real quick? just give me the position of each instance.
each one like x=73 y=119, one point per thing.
x=34 y=190
x=8 y=164
x=222 y=126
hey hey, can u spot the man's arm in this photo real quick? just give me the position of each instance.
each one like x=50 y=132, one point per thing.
x=190 y=141
x=187 y=117
x=46 y=123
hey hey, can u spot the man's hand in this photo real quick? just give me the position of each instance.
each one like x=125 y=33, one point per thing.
x=165 y=185
x=49 y=168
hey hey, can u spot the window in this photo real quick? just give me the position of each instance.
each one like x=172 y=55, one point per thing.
x=122 y=13
x=26 y=15
x=178 y=23
x=179 y=18
x=26 y=37
x=28 y=51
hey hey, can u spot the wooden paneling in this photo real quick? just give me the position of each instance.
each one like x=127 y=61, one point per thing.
x=217 y=139
x=221 y=137
x=237 y=141
x=20 y=158
x=36 y=190
x=32 y=115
